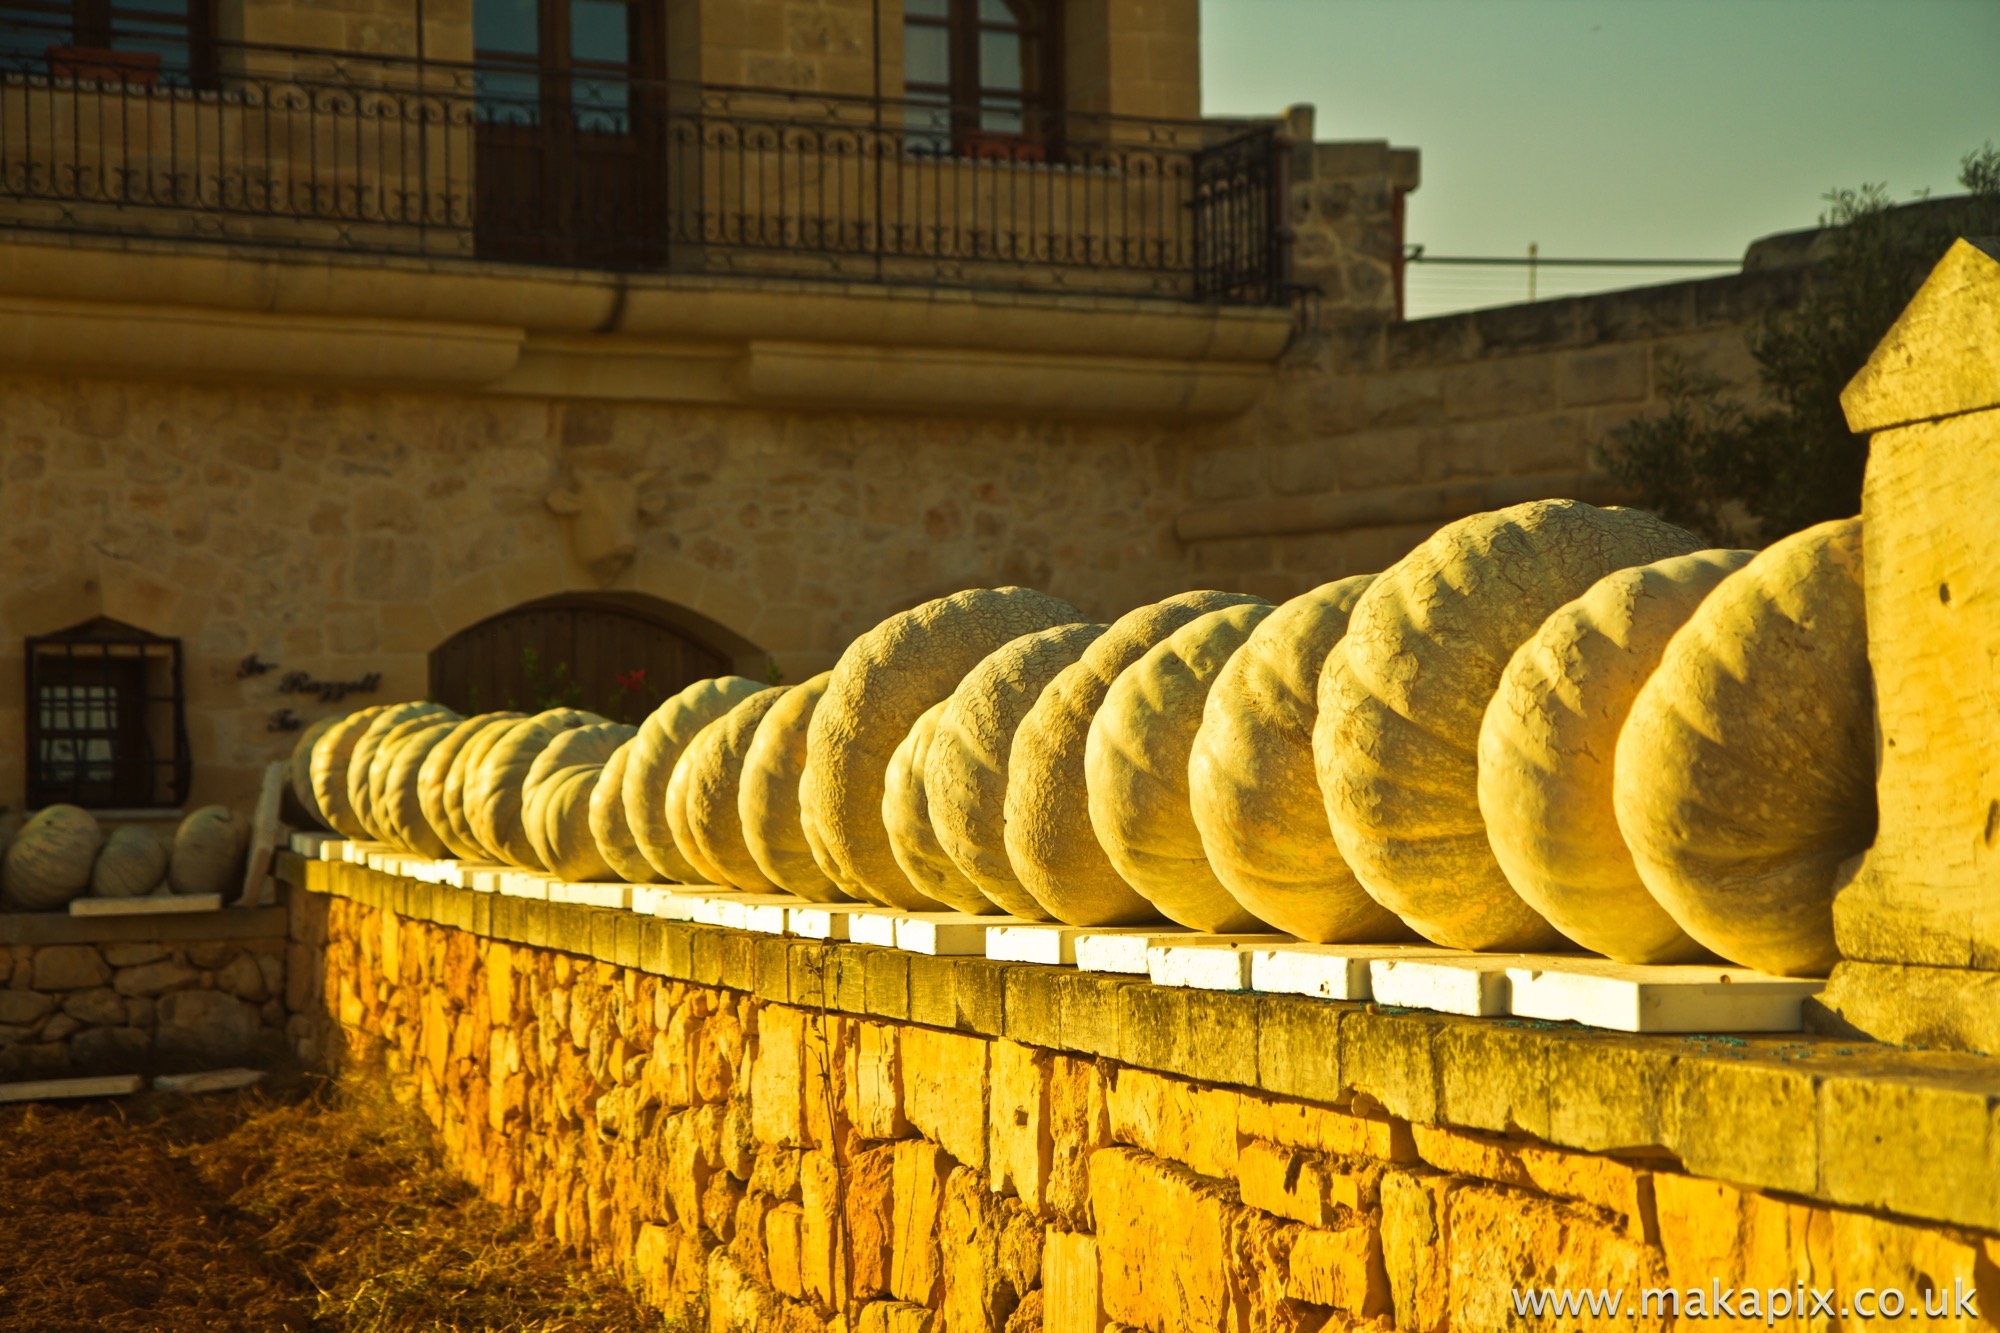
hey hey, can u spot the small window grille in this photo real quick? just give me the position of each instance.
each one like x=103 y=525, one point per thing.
x=107 y=728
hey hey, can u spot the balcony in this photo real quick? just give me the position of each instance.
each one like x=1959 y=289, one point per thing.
x=321 y=151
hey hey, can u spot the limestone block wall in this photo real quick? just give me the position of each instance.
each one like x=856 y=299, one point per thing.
x=769 y=1134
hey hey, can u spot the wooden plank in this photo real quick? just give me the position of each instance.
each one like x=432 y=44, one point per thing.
x=153 y=904
x=265 y=831
x=209 y=1080
x=54 y=1089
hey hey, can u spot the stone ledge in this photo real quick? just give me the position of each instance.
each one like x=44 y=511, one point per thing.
x=1844 y=1121
x=229 y=923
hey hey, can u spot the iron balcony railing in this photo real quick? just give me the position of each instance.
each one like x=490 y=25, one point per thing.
x=328 y=150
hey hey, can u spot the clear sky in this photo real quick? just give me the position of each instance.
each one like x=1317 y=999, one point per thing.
x=1628 y=128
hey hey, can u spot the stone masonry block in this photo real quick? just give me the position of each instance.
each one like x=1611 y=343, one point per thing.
x=1505 y=1241
x=1298 y=1047
x=1604 y=1091
x=1416 y=1248
x=979 y=1292
x=822 y=1272
x=1180 y=1121
x=878 y=1082
x=778 y=1078
x=1711 y=1101
x=1390 y=1058
x=1071 y=1299
x=1080 y=1124
x=1302 y=1186
x=1342 y=1269
x=1712 y=1231
x=1931 y=1267
x=945 y=1090
x=782 y=1226
x=887 y=983
x=1615 y=1186
x=870 y=1181
x=1163 y=1244
x=920 y=1171
x=1020 y=1146
x=60 y=967
x=1504 y=387
x=1883 y=1143
x=1490 y=1077
x=1297 y=1124
x=1602 y=375
x=1206 y=1035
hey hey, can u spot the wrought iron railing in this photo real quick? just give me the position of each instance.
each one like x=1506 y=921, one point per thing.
x=320 y=149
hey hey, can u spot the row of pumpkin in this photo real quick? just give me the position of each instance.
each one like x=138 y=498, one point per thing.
x=1546 y=727
x=62 y=853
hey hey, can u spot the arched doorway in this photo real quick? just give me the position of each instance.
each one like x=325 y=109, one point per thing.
x=615 y=654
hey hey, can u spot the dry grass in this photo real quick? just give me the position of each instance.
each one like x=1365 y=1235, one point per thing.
x=305 y=1209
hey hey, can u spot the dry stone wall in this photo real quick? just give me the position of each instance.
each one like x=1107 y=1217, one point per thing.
x=750 y=1161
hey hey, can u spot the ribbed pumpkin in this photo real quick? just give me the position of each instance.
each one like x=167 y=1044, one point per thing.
x=1745 y=773
x=965 y=771
x=767 y=802
x=883 y=683
x=1136 y=769
x=543 y=822
x=130 y=864
x=706 y=871
x=1051 y=846
x=363 y=781
x=1251 y=784
x=906 y=818
x=709 y=803
x=649 y=767
x=298 y=772
x=494 y=799
x=1396 y=743
x=560 y=812
x=331 y=756
x=208 y=852
x=608 y=829
x=395 y=799
x=441 y=781
x=48 y=862
x=1546 y=753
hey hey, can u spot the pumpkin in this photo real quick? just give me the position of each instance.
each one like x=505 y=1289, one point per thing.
x=1251 y=784
x=383 y=764
x=441 y=785
x=49 y=861
x=1135 y=768
x=656 y=751
x=399 y=810
x=1051 y=846
x=709 y=800
x=208 y=853
x=559 y=813
x=331 y=755
x=705 y=870
x=1401 y=699
x=1745 y=773
x=608 y=828
x=881 y=685
x=361 y=779
x=964 y=774
x=767 y=800
x=130 y=864
x=587 y=746
x=1546 y=752
x=906 y=818
x=493 y=792
x=10 y=827
x=298 y=771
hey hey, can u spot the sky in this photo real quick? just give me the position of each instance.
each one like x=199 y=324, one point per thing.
x=1619 y=128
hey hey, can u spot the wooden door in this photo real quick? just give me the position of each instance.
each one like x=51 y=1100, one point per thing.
x=575 y=652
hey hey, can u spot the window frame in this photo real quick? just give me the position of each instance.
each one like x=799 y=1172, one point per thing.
x=108 y=654
x=94 y=30
x=965 y=96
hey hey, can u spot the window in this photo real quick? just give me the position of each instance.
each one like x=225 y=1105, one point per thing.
x=987 y=67
x=106 y=726
x=567 y=61
x=129 y=41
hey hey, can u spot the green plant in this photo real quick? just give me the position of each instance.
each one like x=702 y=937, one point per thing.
x=1737 y=473
x=773 y=673
x=550 y=687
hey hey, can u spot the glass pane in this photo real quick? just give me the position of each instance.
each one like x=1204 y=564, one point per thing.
x=928 y=9
x=926 y=54
x=1002 y=11
x=508 y=99
x=600 y=105
x=929 y=129
x=506 y=26
x=1001 y=117
x=600 y=31
x=1000 y=61
x=151 y=8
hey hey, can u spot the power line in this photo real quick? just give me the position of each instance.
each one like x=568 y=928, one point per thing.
x=1416 y=255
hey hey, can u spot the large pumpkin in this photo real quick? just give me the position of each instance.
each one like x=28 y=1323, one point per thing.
x=461 y=780
x=398 y=803
x=567 y=822
x=298 y=771
x=1136 y=770
x=495 y=798
x=907 y=819
x=208 y=852
x=1251 y=784
x=331 y=756
x=1051 y=846
x=1546 y=753
x=965 y=771
x=883 y=683
x=434 y=784
x=1745 y=773
x=130 y=864
x=709 y=801
x=1401 y=699
x=363 y=780
x=608 y=828
x=656 y=751
x=767 y=802
x=48 y=862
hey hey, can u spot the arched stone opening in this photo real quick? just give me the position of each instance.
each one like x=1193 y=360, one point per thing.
x=618 y=654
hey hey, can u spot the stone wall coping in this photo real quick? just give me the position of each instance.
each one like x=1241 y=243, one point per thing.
x=1849 y=1122
x=228 y=923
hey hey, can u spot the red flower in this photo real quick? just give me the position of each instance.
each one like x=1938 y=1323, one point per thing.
x=632 y=681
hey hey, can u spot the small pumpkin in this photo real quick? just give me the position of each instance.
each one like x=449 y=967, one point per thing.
x=130 y=864
x=579 y=747
x=710 y=801
x=361 y=778
x=608 y=827
x=656 y=752
x=399 y=809
x=331 y=755
x=208 y=854
x=559 y=812
x=383 y=763
x=494 y=799
x=441 y=783
x=49 y=861
x=298 y=772
x=906 y=817
x=767 y=801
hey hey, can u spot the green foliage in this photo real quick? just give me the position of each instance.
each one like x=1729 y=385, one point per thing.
x=550 y=687
x=1736 y=473
x=773 y=673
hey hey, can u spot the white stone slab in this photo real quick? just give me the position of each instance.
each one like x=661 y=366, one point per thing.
x=1327 y=971
x=946 y=934
x=209 y=1080
x=873 y=927
x=307 y=842
x=426 y=870
x=647 y=898
x=617 y=894
x=479 y=876
x=51 y=1089
x=1677 y=998
x=153 y=904
x=1207 y=962
x=761 y=913
x=1034 y=942
x=524 y=884
x=1461 y=983
x=823 y=921
x=357 y=853
x=1123 y=948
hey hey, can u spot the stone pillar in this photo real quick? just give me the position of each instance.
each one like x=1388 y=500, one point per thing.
x=1918 y=922
x=1347 y=219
